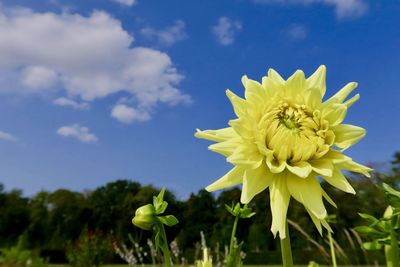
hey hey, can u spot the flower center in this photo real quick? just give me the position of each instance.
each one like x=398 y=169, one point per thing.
x=295 y=133
x=289 y=123
x=292 y=116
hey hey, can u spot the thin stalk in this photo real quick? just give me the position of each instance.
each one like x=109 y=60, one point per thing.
x=333 y=256
x=164 y=247
x=392 y=251
x=286 y=249
x=232 y=243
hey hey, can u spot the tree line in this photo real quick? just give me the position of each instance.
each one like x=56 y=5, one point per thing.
x=50 y=220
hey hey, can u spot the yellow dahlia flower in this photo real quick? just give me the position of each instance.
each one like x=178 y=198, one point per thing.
x=284 y=138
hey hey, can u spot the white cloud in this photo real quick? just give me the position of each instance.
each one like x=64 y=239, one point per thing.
x=344 y=9
x=226 y=30
x=128 y=114
x=125 y=2
x=38 y=78
x=66 y=102
x=7 y=136
x=85 y=57
x=347 y=9
x=79 y=132
x=167 y=36
x=297 y=32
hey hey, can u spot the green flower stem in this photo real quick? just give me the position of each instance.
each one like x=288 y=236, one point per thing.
x=333 y=256
x=164 y=247
x=233 y=235
x=286 y=249
x=392 y=251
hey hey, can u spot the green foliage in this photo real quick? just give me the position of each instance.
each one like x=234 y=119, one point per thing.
x=51 y=219
x=238 y=211
x=14 y=216
x=91 y=249
x=19 y=256
x=381 y=230
x=385 y=231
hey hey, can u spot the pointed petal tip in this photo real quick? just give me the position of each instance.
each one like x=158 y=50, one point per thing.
x=299 y=72
x=282 y=235
x=320 y=216
x=270 y=70
x=354 y=84
x=198 y=131
x=244 y=199
x=244 y=79
x=274 y=232
x=209 y=189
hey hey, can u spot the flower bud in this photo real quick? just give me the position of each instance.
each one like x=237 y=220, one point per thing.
x=145 y=217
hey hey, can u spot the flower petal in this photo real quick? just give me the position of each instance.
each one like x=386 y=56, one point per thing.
x=254 y=182
x=322 y=166
x=301 y=168
x=339 y=181
x=270 y=86
x=328 y=198
x=354 y=167
x=254 y=93
x=318 y=80
x=279 y=201
x=342 y=94
x=276 y=77
x=225 y=148
x=316 y=221
x=336 y=156
x=216 y=135
x=313 y=97
x=238 y=103
x=242 y=127
x=231 y=178
x=246 y=156
x=347 y=135
x=308 y=192
x=274 y=165
x=334 y=113
x=296 y=83
x=352 y=100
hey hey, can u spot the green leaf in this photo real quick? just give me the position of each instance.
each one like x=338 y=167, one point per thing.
x=374 y=245
x=161 y=207
x=371 y=219
x=169 y=220
x=392 y=195
x=229 y=209
x=159 y=204
x=236 y=209
x=369 y=231
x=390 y=190
x=375 y=223
x=246 y=212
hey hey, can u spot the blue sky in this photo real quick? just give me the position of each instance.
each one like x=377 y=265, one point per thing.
x=96 y=90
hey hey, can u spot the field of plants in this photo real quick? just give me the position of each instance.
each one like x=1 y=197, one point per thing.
x=75 y=227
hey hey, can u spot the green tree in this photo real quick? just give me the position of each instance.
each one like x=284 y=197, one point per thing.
x=14 y=215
